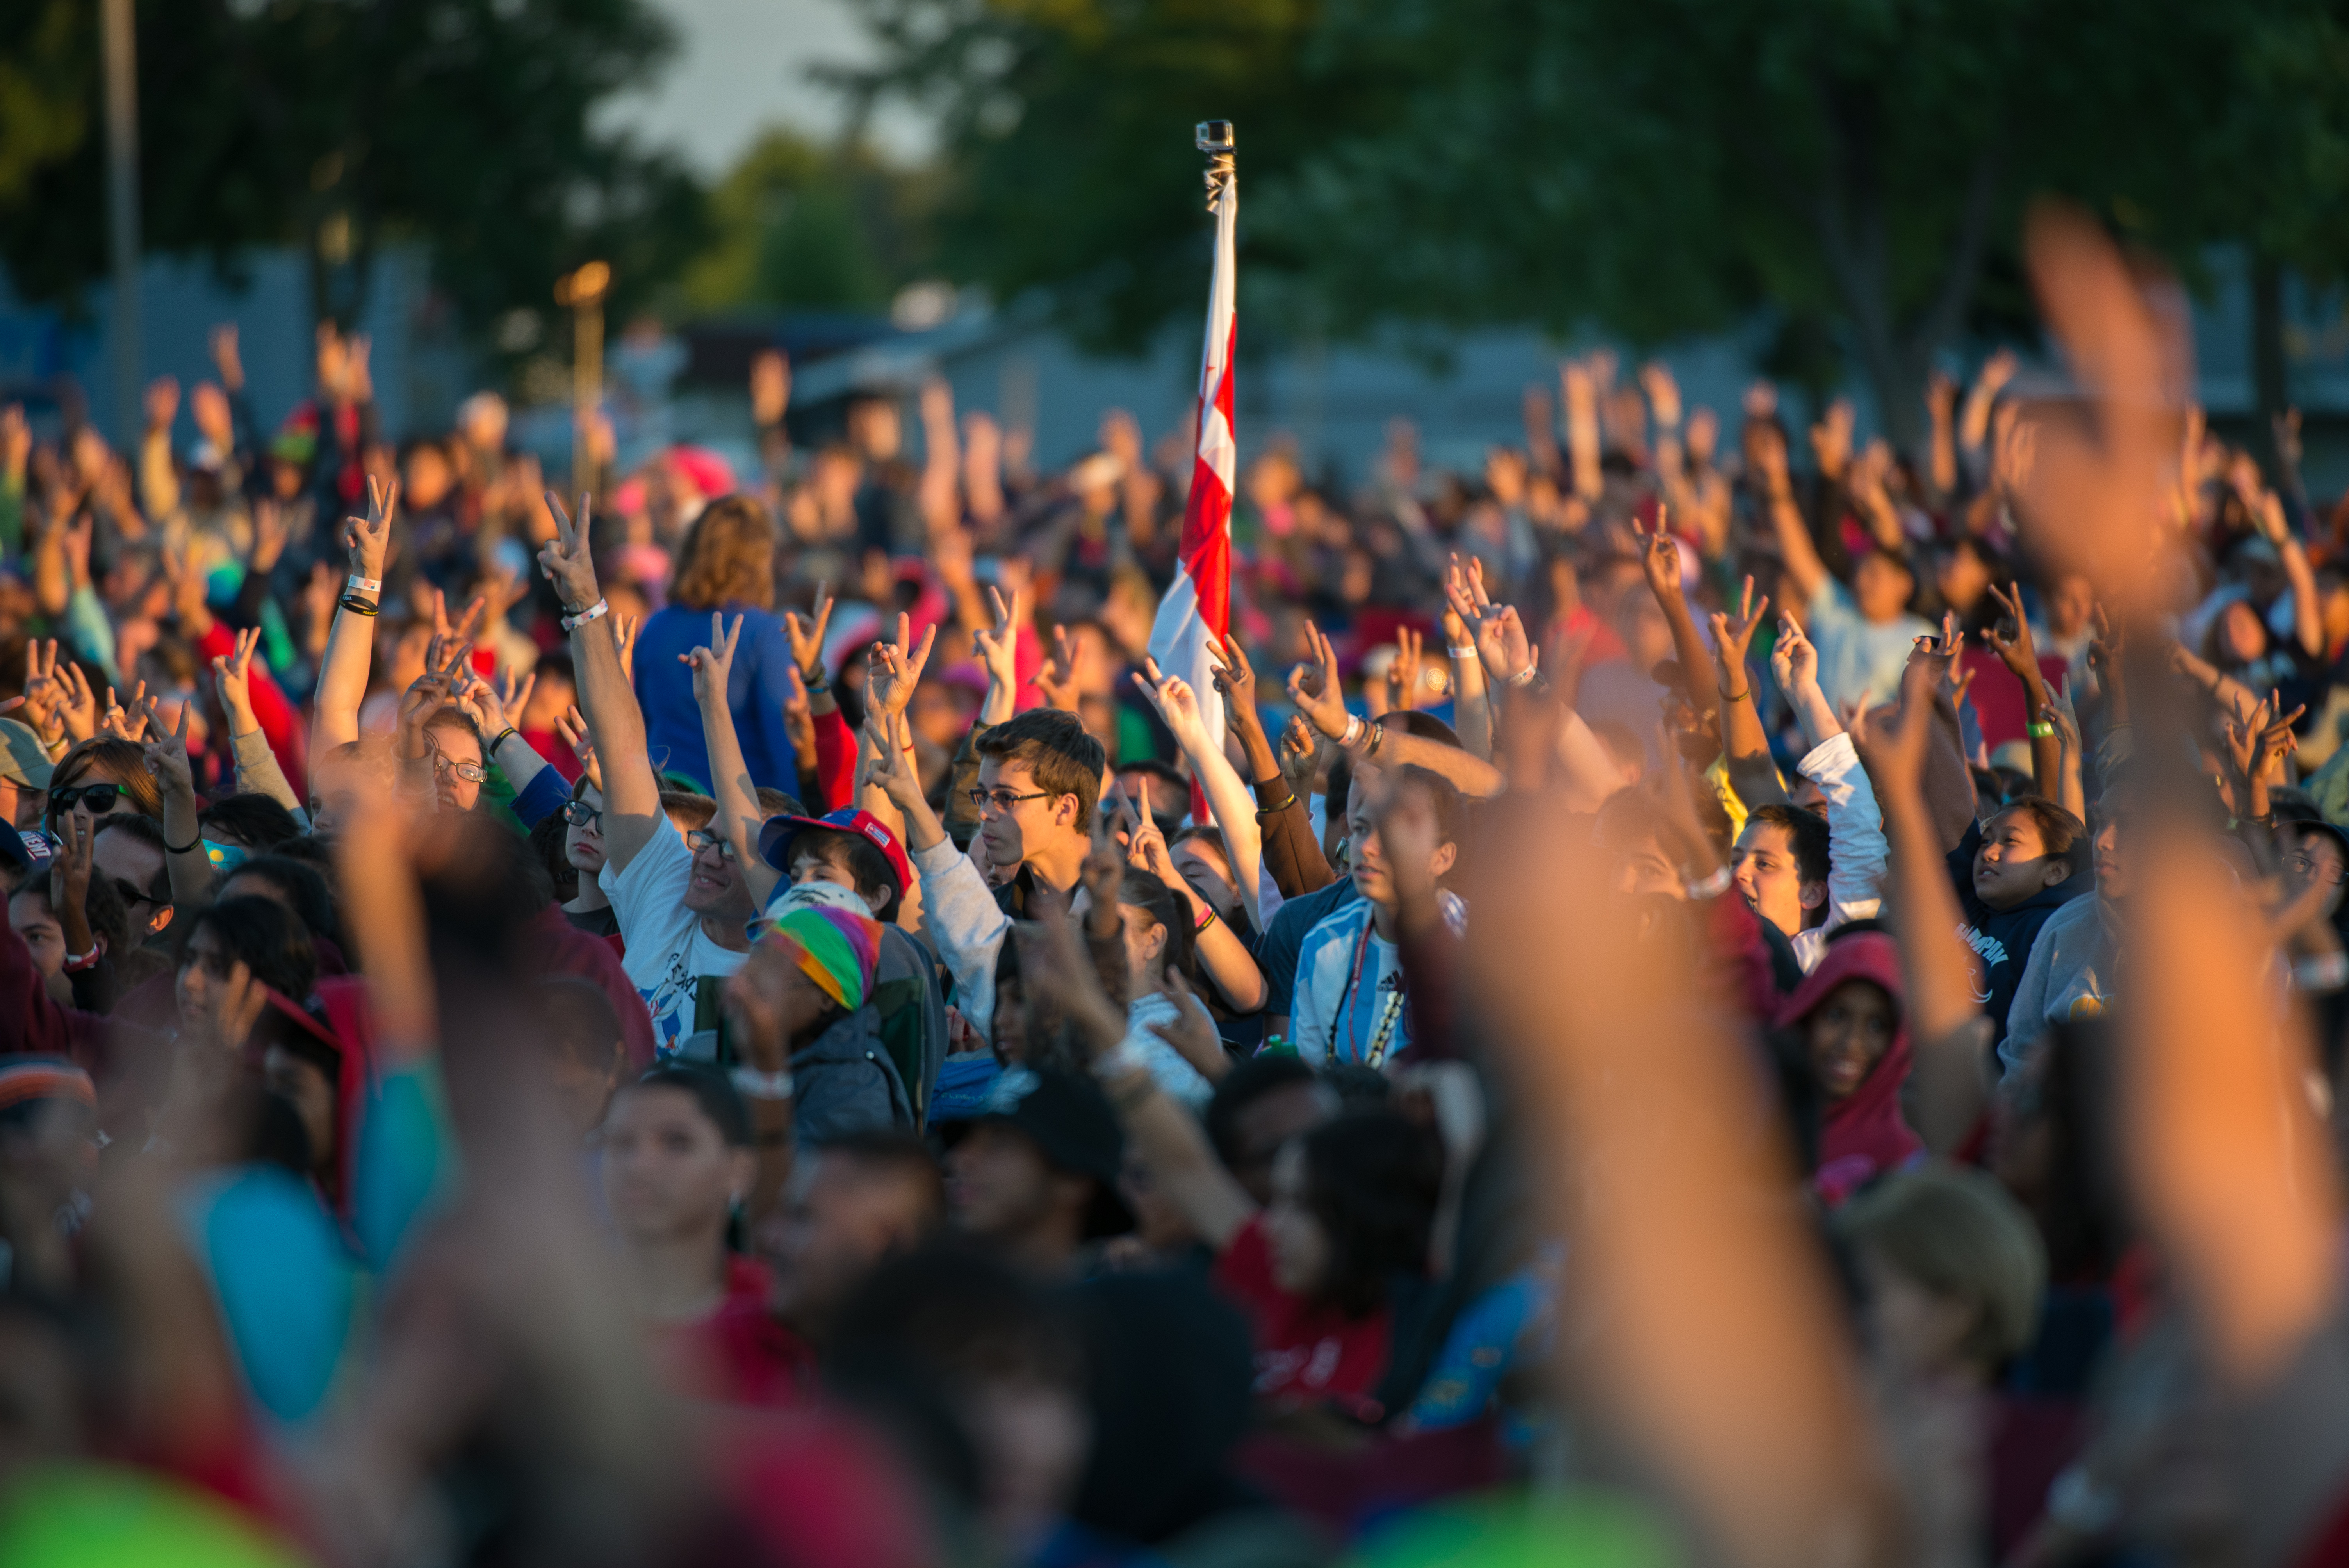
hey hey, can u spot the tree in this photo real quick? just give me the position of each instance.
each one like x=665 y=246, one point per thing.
x=1658 y=166
x=810 y=226
x=339 y=125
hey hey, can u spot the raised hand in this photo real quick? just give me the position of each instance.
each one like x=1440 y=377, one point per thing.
x=365 y=539
x=807 y=637
x=565 y=560
x=465 y=625
x=496 y=708
x=1732 y=637
x=892 y=674
x=167 y=754
x=2014 y=649
x=1831 y=439
x=1147 y=848
x=1896 y=751
x=1235 y=677
x=126 y=722
x=1177 y=703
x=69 y=870
x=1316 y=690
x=162 y=402
x=445 y=675
x=232 y=673
x=1663 y=392
x=998 y=646
x=1793 y=660
x=713 y=664
x=44 y=694
x=1660 y=558
x=1057 y=678
x=79 y=706
x=885 y=763
x=770 y=386
x=1404 y=674
x=1102 y=870
x=572 y=725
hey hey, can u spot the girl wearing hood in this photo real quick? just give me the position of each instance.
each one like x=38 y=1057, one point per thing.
x=1850 y=1029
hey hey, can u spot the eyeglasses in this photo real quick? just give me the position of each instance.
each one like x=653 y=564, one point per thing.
x=701 y=838
x=471 y=772
x=1003 y=799
x=100 y=798
x=579 y=814
x=131 y=892
x=2303 y=866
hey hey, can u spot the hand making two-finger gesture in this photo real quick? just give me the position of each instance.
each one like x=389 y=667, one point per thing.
x=367 y=539
x=1176 y=704
x=2014 y=648
x=167 y=751
x=892 y=673
x=1403 y=676
x=713 y=664
x=1315 y=688
x=807 y=638
x=1056 y=677
x=565 y=560
x=232 y=673
x=1660 y=558
x=1732 y=639
x=997 y=646
x=1235 y=677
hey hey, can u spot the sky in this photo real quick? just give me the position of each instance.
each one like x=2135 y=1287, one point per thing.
x=742 y=65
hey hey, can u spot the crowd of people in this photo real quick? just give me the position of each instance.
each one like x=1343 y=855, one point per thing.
x=741 y=1018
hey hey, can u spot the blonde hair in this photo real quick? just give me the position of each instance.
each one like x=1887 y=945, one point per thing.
x=1958 y=1233
x=727 y=557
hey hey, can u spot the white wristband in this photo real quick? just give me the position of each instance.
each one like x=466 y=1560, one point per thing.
x=1463 y=655
x=1524 y=676
x=572 y=623
x=1355 y=725
x=366 y=584
x=752 y=1084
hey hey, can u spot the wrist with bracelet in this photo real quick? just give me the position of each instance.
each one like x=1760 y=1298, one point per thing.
x=752 y=1084
x=572 y=622
x=502 y=734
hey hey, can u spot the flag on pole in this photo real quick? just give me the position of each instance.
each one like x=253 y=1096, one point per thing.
x=1196 y=612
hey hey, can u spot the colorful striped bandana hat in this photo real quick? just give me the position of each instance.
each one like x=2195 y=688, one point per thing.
x=836 y=948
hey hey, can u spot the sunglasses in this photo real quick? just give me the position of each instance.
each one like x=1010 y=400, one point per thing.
x=579 y=814
x=701 y=838
x=100 y=798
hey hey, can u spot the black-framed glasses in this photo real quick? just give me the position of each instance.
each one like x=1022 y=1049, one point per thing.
x=701 y=838
x=100 y=798
x=2303 y=866
x=471 y=772
x=579 y=814
x=1003 y=799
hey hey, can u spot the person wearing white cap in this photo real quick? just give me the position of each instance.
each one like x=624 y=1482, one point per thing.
x=24 y=770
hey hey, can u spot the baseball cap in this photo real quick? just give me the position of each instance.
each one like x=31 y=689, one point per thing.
x=22 y=756
x=1070 y=1119
x=776 y=837
x=24 y=848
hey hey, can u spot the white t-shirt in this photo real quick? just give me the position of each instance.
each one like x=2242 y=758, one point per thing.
x=669 y=952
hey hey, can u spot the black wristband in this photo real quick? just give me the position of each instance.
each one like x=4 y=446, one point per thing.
x=357 y=605
x=500 y=739
x=189 y=848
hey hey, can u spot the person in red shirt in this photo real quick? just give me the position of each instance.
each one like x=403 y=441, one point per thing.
x=677 y=1156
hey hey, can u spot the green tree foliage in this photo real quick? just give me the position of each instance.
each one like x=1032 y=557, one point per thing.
x=1655 y=166
x=339 y=125
x=803 y=224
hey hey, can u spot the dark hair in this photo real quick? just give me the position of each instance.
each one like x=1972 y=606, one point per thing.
x=1164 y=772
x=896 y=1154
x=106 y=759
x=252 y=819
x=1808 y=829
x=1371 y=1178
x=264 y=935
x=304 y=887
x=103 y=907
x=312 y=850
x=1247 y=1082
x=579 y=1019
x=685 y=806
x=548 y=842
x=868 y=868
x=1052 y=745
x=1146 y=893
x=2066 y=836
x=727 y=557
x=2083 y=1214
x=711 y=1091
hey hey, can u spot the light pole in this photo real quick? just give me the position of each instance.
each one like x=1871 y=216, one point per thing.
x=582 y=292
x=122 y=209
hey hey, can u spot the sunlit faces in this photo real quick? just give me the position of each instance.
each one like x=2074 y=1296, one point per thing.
x=454 y=751
x=668 y=1172
x=1848 y=1033
x=30 y=917
x=2012 y=864
x=1017 y=805
x=1768 y=878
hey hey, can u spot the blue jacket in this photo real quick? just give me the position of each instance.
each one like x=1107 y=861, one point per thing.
x=755 y=692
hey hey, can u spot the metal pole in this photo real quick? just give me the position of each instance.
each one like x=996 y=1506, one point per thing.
x=122 y=212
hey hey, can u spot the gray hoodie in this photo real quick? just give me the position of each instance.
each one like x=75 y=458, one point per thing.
x=845 y=1082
